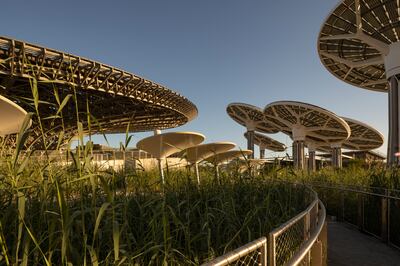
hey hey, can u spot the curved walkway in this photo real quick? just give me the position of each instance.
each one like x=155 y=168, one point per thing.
x=347 y=246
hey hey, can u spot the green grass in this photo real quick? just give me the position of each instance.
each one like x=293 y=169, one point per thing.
x=76 y=214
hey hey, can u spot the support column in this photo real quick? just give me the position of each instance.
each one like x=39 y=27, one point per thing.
x=336 y=156
x=262 y=152
x=250 y=142
x=298 y=154
x=312 y=167
x=393 y=140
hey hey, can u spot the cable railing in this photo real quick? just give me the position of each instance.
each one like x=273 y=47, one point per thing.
x=300 y=241
x=372 y=210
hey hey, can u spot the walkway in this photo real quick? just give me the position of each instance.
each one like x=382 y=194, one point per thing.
x=347 y=246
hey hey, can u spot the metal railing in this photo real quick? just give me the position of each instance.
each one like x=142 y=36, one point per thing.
x=372 y=210
x=300 y=241
x=253 y=253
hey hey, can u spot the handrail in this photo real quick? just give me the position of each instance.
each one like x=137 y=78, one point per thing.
x=310 y=242
x=344 y=188
x=310 y=232
x=238 y=253
x=277 y=231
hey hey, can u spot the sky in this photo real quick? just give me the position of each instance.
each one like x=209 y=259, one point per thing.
x=212 y=52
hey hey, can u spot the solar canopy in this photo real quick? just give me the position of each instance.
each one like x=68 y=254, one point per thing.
x=114 y=98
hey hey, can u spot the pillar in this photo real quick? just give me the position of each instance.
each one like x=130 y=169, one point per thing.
x=393 y=140
x=312 y=167
x=298 y=154
x=250 y=142
x=336 y=156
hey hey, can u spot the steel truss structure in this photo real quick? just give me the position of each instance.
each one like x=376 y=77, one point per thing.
x=359 y=43
x=113 y=97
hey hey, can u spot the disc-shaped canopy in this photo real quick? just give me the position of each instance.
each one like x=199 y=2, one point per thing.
x=253 y=162
x=265 y=142
x=164 y=145
x=251 y=117
x=227 y=156
x=114 y=98
x=12 y=117
x=355 y=38
x=201 y=152
x=307 y=122
x=362 y=137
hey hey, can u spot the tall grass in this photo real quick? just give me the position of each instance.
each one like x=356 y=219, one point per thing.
x=53 y=213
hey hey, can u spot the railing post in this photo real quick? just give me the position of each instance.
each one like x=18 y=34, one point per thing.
x=263 y=254
x=341 y=218
x=307 y=225
x=384 y=218
x=271 y=250
x=360 y=212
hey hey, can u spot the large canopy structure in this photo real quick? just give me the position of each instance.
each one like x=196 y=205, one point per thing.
x=113 y=97
x=12 y=117
x=363 y=137
x=163 y=145
x=198 y=153
x=265 y=142
x=359 y=44
x=222 y=157
x=253 y=119
x=307 y=123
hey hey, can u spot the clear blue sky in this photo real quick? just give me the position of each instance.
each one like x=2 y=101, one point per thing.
x=214 y=52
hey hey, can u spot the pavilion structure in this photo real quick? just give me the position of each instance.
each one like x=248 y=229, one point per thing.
x=71 y=92
x=266 y=143
x=362 y=138
x=194 y=155
x=307 y=123
x=359 y=43
x=12 y=117
x=253 y=119
x=227 y=156
x=161 y=146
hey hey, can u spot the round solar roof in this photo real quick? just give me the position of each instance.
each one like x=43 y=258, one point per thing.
x=115 y=98
x=200 y=152
x=251 y=117
x=227 y=156
x=166 y=144
x=307 y=122
x=265 y=142
x=12 y=117
x=363 y=136
x=355 y=41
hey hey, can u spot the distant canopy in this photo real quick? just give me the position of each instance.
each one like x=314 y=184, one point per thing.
x=102 y=98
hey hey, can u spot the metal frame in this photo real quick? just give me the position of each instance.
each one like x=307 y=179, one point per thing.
x=359 y=43
x=385 y=198
x=253 y=119
x=115 y=97
x=311 y=250
x=306 y=123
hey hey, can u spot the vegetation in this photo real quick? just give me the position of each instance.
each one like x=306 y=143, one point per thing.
x=55 y=213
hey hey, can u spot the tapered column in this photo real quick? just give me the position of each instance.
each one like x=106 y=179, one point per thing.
x=262 y=152
x=298 y=154
x=393 y=140
x=250 y=142
x=312 y=167
x=337 y=156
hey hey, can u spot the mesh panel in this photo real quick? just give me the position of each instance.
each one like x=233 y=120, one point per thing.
x=252 y=258
x=350 y=207
x=289 y=242
x=372 y=214
x=394 y=225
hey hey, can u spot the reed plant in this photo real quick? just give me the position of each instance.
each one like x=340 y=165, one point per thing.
x=69 y=212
